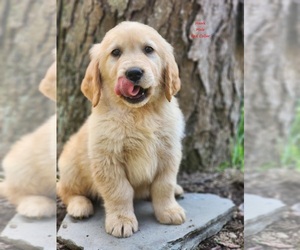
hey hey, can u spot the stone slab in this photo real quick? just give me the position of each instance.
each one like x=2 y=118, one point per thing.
x=259 y=212
x=26 y=233
x=206 y=215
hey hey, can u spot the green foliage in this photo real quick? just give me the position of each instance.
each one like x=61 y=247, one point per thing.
x=290 y=156
x=237 y=157
x=237 y=153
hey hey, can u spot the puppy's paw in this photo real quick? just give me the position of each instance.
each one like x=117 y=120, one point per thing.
x=171 y=215
x=36 y=207
x=80 y=207
x=121 y=225
x=178 y=191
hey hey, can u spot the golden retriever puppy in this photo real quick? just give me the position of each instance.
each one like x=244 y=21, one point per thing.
x=30 y=166
x=130 y=146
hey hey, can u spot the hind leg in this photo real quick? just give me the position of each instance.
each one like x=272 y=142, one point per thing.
x=80 y=206
x=36 y=206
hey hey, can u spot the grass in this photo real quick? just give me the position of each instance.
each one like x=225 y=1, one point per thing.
x=237 y=156
x=237 y=152
x=290 y=156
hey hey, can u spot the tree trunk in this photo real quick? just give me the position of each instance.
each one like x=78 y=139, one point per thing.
x=27 y=37
x=272 y=66
x=210 y=68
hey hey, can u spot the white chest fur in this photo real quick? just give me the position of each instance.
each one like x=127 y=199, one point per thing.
x=130 y=144
x=136 y=144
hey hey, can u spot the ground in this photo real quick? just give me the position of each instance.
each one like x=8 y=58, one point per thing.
x=283 y=184
x=227 y=184
x=7 y=211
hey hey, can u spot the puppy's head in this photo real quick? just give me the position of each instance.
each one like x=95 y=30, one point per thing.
x=48 y=84
x=133 y=65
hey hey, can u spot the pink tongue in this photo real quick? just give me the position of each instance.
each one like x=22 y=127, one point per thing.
x=126 y=88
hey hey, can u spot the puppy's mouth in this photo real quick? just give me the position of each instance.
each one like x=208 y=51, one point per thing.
x=131 y=92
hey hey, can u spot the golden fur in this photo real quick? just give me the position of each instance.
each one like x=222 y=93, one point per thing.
x=124 y=150
x=30 y=164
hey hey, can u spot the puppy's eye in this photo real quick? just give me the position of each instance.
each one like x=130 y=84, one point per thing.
x=116 y=53
x=148 y=50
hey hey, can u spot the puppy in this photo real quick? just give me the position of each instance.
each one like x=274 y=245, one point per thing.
x=29 y=167
x=130 y=146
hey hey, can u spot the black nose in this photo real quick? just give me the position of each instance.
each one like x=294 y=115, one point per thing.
x=134 y=74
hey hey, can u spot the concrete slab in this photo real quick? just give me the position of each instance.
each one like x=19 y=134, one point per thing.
x=206 y=215
x=30 y=234
x=259 y=212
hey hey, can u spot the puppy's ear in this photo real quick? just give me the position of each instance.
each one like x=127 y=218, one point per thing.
x=91 y=85
x=171 y=75
x=48 y=84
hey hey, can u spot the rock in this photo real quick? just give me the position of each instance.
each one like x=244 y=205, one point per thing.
x=260 y=212
x=26 y=233
x=206 y=215
x=296 y=209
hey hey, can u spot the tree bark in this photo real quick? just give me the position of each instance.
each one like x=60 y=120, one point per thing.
x=27 y=37
x=272 y=66
x=211 y=69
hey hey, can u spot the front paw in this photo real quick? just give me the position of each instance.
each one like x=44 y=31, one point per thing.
x=120 y=225
x=170 y=215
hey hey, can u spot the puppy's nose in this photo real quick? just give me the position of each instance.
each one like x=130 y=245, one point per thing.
x=134 y=74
